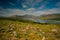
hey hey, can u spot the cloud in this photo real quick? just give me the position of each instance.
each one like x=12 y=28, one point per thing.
x=39 y=0
x=11 y=3
x=58 y=4
x=31 y=2
x=31 y=9
x=42 y=7
x=17 y=1
x=44 y=12
x=24 y=6
x=10 y=12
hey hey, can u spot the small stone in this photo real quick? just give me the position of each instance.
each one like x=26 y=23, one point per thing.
x=22 y=39
x=14 y=33
x=27 y=27
x=54 y=30
x=43 y=38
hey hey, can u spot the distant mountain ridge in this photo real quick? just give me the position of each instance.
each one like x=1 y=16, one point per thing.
x=42 y=17
x=50 y=17
x=24 y=16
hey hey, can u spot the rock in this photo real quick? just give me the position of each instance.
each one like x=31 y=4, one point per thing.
x=43 y=38
x=14 y=33
x=54 y=30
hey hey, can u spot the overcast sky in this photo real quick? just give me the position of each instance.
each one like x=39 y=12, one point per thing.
x=33 y=7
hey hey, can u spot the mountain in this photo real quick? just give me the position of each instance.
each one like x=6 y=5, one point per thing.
x=28 y=17
x=23 y=18
x=35 y=19
x=50 y=17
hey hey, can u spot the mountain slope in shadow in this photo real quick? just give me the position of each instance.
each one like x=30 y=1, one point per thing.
x=55 y=17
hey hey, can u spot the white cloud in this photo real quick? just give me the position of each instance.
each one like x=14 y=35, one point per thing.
x=11 y=3
x=42 y=7
x=17 y=1
x=58 y=4
x=39 y=0
x=24 y=6
x=49 y=11
x=31 y=2
x=10 y=12
x=31 y=9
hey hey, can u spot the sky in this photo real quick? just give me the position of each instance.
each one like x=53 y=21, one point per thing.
x=30 y=7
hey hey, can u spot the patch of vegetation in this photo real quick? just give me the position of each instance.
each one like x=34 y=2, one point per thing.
x=56 y=19
x=17 y=30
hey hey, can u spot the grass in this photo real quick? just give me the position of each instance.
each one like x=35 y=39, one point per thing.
x=16 y=30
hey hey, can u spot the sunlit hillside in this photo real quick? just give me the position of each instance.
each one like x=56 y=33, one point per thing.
x=17 y=30
x=55 y=17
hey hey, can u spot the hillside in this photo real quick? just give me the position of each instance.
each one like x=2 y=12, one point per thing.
x=50 y=17
x=23 y=16
x=17 y=30
x=55 y=17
